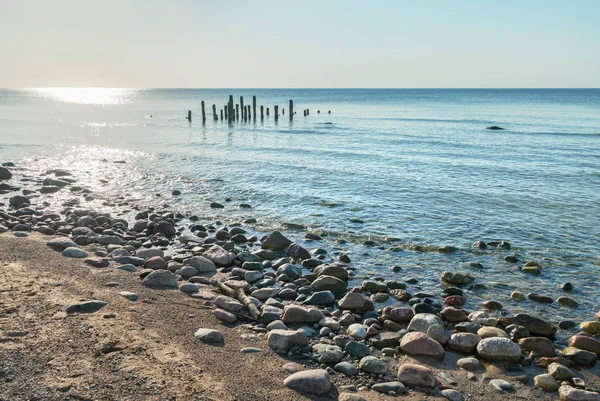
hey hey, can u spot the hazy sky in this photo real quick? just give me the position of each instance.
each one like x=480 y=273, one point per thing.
x=152 y=43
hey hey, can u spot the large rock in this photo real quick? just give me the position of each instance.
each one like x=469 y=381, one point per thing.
x=292 y=271
x=325 y=353
x=209 y=336
x=297 y=252
x=202 y=264
x=386 y=387
x=585 y=343
x=60 y=245
x=546 y=382
x=165 y=228
x=283 y=340
x=160 y=279
x=417 y=343
x=371 y=364
x=18 y=200
x=5 y=173
x=219 y=256
x=498 y=349
x=453 y=315
x=533 y=324
x=457 y=278
x=356 y=302
x=320 y=298
x=229 y=304
x=398 y=315
x=314 y=381
x=155 y=263
x=422 y=321
x=73 y=252
x=299 y=314
x=86 y=307
x=579 y=356
x=568 y=393
x=540 y=345
x=330 y=283
x=275 y=241
x=591 y=327
x=463 y=342
x=333 y=270
x=414 y=375
x=357 y=331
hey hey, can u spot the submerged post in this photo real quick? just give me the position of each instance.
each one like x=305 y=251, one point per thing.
x=242 y=107
x=214 y=111
x=230 y=109
x=267 y=112
x=237 y=111
x=276 y=112
x=203 y=112
x=189 y=117
x=262 y=115
x=226 y=107
x=221 y=115
x=291 y=110
x=254 y=106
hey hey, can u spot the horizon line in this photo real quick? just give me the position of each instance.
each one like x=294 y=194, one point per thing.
x=296 y=88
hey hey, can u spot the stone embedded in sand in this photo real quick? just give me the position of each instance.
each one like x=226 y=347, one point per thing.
x=73 y=252
x=224 y=316
x=469 y=364
x=275 y=241
x=188 y=288
x=417 y=343
x=160 y=278
x=386 y=387
x=414 y=375
x=129 y=295
x=498 y=349
x=150 y=252
x=463 y=342
x=501 y=386
x=356 y=349
x=128 y=268
x=282 y=340
x=86 y=307
x=371 y=364
x=560 y=372
x=315 y=381
x=580 y=357
x=568 y=393
x=540 y=345
x=325 y=353
x=155 y=263
x=452 y=395
x=299 y=314
x=209 y=336
x=229 y=304
x=546 y=382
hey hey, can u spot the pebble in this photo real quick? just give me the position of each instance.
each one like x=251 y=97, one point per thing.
x=224 y=316
x=128 y=268
x=469 y=364
x=371 y=364
x=129 y=295
x=501 y=386
x=209 y=336
x=346 y=368
x=73 y=252
x=452 y=395
x=498 y=348
x=250 y=350
x=387 y=387
x=86 y=307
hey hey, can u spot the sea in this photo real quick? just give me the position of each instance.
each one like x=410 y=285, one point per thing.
x=386 y=176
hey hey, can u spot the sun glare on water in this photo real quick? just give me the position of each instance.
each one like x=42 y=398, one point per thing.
x=98 y=96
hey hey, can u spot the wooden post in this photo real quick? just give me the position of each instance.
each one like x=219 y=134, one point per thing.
x=221 y=114
x=254 y=106
x=189 y=117
x=262 y=114
x=267 y=112
x=237 y=111
x=291 y=110
x=283 y=111
x=230 y=109
x=214 y=111
x=307 y=112
x=203 y=112
x=242 y=107
x=276 y=112
x=226 y=109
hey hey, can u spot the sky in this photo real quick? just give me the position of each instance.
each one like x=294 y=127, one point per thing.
x=300 y=44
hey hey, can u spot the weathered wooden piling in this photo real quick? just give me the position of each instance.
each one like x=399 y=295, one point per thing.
x=243 y=108
x=248 y=112
x=203 y=112
x=307 y=112
x=237 y=111
x=254 y=107
x=189 y=117
x=276 y=112
x=214 y=107
x=230 y=109
x=267 y=112
x=221 y=114
x=262 y=114
x=283 y=111
x=291 y=110
x=226 y=109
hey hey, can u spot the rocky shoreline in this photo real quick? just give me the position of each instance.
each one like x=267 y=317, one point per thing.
x=333 y=339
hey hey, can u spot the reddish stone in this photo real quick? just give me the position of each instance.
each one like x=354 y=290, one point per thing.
x=455 y=300
x=585 y=343
x=398 y=315
x=417 y=343
x=414 y=375
x=453 y=315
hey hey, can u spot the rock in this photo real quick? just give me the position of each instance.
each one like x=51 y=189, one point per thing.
x=357 y=331
x=495 y=128
x=540 y=298
x=5 y=174
x=329 y=283
x=385 y=340
x=455 y=300
x=189 y=288
x=209 y=336
x=155 y=263
x=517 y=296
x=250 y=350
x=314 y=381
x=60 y=245
x=501 y=386
x=371 y=364
x=580 y=357
x=568 y=393
x=533 y=324
x=219 y=256
x=165 y=228
x=265 y=293
x=333 y=270
x=297 y=252
x=398 y=315
x=275 y=241
x=414 y=375
x=463 y=342
x=535 y=270
x=417 y=343
x=320 y=298
x=224 y=316
x=585 y=343
x=457 y=278
x=453 y=315
x=283 y=340
x=229 y=304
x=540 y=345
x=73 y=252
x=373 y=286
x=350 y=397
x=346 y=368
x=469 y=364
x=188 y=271
x=592 y=327
x=356 y=302
x=567 y=301
x=160 y=278
x=299 y=314
x=498 y=348
x=86 y=307
x=253 y=276
x=452 y=395
x=546 y=382
x=560 y=372
x=486 y=332
x=356 y=349
x=325 y=353
x=385 y=388
x=438 y=333
x=128 y=268
x=129 y=295
x=423 y=321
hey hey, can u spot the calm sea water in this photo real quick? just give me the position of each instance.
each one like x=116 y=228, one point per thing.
x=417 y=165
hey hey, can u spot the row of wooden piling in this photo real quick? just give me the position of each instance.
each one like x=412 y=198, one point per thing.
x=231 y=112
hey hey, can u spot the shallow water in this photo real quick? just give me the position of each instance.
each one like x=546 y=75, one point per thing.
x=417 y=165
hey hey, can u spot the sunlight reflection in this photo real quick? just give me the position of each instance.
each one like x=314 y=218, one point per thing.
x=100 y=96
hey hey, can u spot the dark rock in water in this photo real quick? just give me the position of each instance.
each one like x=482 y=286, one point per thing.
x=216 y=205
x=86 y=307
x=567 y=286
x=18 y=200
x=313 y=237
x=479 y=245
x=533 y=324
x=511 y=259
x=5 y=174
x=21 y=227
x=540 y=298
x=447 y=249
x=297 y=252
x=495 y=128
x=56 y=183
x=176 y=192
x=276 y=241
x=50 y=189
x=165 y=228
x=566 y=324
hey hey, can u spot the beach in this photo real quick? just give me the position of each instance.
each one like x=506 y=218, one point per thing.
x=98 y=306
